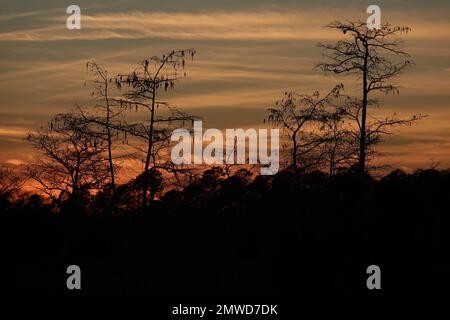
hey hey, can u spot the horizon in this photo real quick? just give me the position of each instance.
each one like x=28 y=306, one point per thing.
x=248 y=55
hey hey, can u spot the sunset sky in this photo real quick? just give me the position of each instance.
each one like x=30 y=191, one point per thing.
x=248 y=54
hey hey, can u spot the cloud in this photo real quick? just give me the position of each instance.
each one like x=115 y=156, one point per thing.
x=15 y=162
x=292 y=25
x=14 y=16
x=263 y=25
x=246 y=60
x=13 y=131
x=226 y=25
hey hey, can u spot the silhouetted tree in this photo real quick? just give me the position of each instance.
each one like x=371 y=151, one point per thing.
x=212 y=177
x=144 y=83
x=71 y=162
x=11 y=179
x=231 y=166
x=376 y=58
x=339 y=149
x=129 y=194
x=101 y=123
x=300 y=116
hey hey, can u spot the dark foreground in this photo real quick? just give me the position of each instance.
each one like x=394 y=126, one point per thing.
x=232 y=239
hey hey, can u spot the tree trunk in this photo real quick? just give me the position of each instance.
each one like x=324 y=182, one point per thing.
x=294 y=158
x=108 y=130
x=362 y=137
x=149 y=152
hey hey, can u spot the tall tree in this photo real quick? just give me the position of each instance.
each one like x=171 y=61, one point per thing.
x=108 y=115
x=100 y=123
x=376 y=58
x=143 y=88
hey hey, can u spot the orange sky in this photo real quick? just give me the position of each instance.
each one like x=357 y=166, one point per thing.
x=249 y=54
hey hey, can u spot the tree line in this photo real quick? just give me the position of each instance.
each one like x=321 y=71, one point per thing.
x=82 y=151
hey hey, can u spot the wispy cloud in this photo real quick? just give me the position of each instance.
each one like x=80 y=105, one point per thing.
x=15 y=162
x=13 y=131
x=13 y=16
x=227 y=25
x=263 y=25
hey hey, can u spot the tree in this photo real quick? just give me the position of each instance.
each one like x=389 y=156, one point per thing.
x=144 y=85
x=301 y=118
x=339 y=149
x=232 y=168
x=129 y=194
x=109 y=113
x=11 y=180
x=376 y=58
x=72 y=162
x=102 y=123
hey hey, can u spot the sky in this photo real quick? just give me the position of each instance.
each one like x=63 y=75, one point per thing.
x=248 y=54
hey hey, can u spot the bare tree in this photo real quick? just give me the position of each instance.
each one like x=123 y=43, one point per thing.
x=300 y=116
x=375 y=128
x=339 y=149
x=110 y=112
x=231 y=167
x=102 y=122
x=376 y=58
x=11 y=179
x=144 y=85
x=180 y=176
x=71 y=161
